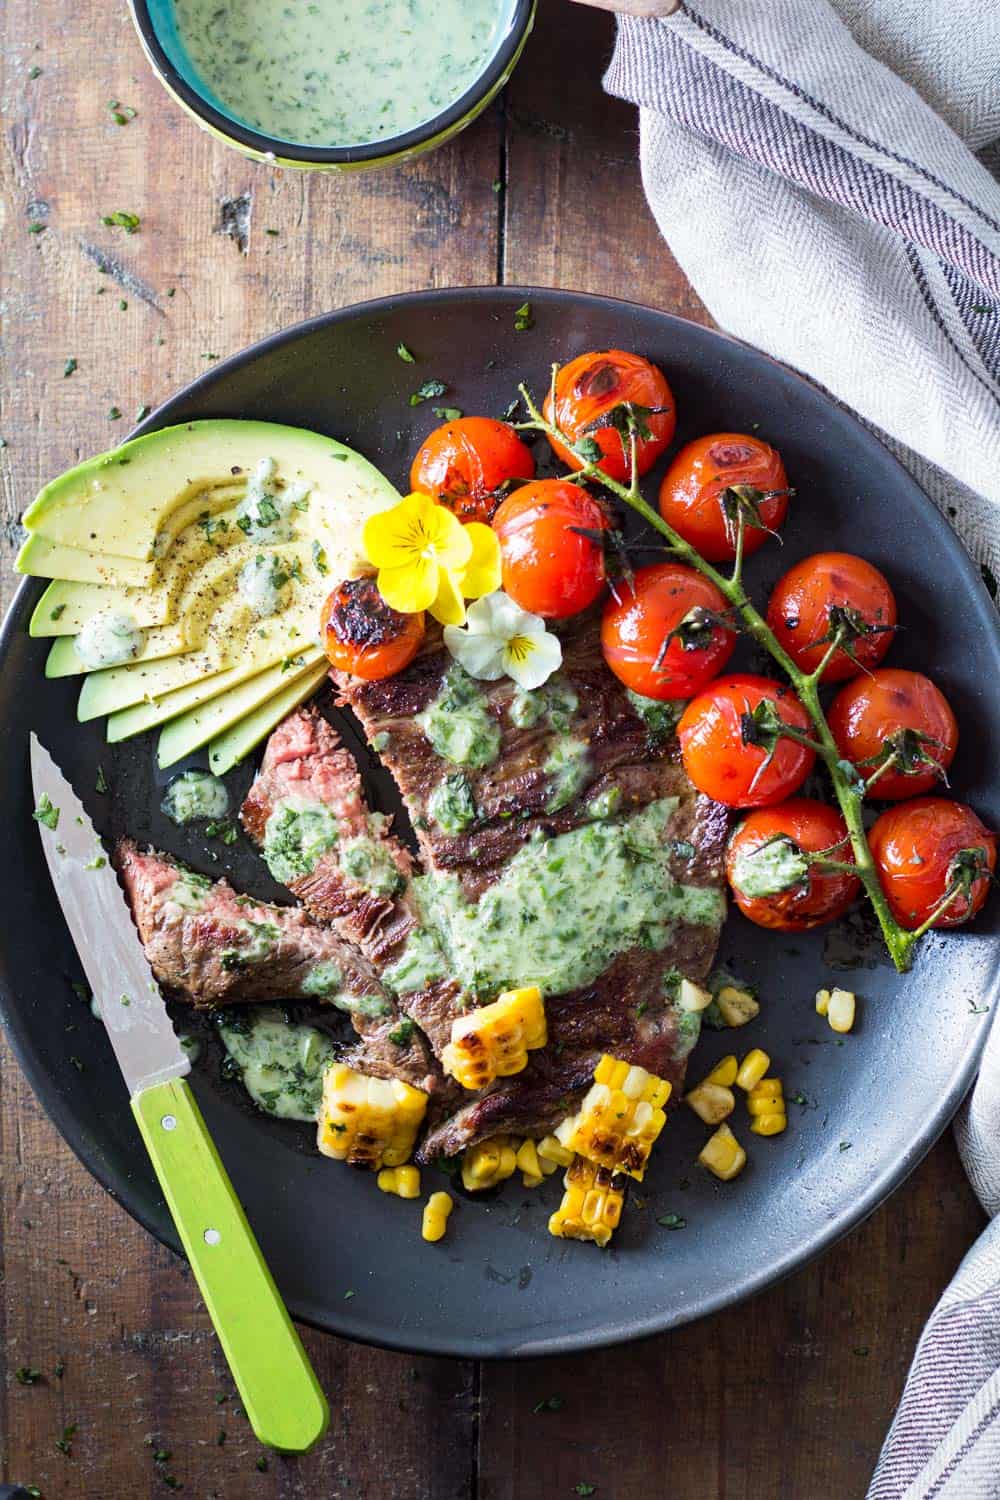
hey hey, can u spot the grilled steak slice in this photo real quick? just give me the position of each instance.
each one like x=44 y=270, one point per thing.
x=306 y=811
x=211 y=947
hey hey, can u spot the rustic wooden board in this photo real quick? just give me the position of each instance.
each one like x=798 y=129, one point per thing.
x=773 y=1397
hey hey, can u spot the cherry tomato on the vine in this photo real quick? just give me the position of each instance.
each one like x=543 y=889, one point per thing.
x=731 y=743
x=362 y=635
x=708 y=483
x=661 y=633
x=607 y=384
x=552 y=563
x=930 y=850
x=897 y=728
x=828 y=594
x=774 y=882
x=468 y=464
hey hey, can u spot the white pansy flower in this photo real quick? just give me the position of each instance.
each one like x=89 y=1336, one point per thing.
x=501 y=639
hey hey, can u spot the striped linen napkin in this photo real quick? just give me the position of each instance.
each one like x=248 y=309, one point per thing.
x=823 y=172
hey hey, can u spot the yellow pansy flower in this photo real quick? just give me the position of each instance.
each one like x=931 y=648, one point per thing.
x=426 y=558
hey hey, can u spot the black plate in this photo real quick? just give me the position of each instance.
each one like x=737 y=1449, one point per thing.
x=875 y=1101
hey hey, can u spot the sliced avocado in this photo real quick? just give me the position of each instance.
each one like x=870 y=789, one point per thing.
x=65 y=607
x=230 y=748
x=161 y=642
x=208 y=720
x=119 y=687
x=134 y=501
x=141 y=716
x=41 y=558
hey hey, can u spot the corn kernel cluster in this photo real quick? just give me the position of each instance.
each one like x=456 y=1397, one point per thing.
x=713 y=1101
x=766 y=1103
x=404 y=1182
x=494 y=1041
x=592 y=1203
x=839 y=1007
x=369 y=1122
x=620 y=1118
x=492 y=1161
x=736 y=1006
x=437 y=1210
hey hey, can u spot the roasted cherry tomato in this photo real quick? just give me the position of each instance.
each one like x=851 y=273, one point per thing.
x=774 y=883
x=590 y=387
x=551 y=566
x=828 y=593
x=363 y=636
x=729 y=744
x=928 y=850
x=694 y=499
x=661 y=634
x=897 y=728
x=468 y=465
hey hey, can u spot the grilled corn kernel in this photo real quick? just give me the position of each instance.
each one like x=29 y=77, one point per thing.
x=435 y=1219
x=711 y=1102
x=692 y=996
x=752 y=1069
x=403 y=1181
x=552 y=1150
x=724 y=1072
x=494 y=1041
x=822 y=1002
x=769 y=1124
x=489 y=1162
x=547 y=1167
x=591 y=1207
x=736 y=1007
x=766 y=1097
x=841 y=1010
x=369 y=1122
x=723 y=1154
x=528 y=1164
x=619 y=1119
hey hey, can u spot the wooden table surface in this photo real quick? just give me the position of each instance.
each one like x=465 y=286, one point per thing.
x=789 y=1394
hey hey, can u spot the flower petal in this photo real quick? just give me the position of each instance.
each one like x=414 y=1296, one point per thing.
x=481 y=655
x=482 y=570
x=393 y=537
x=412 y=587
x=448 y=606
x=531 y=659
x=446 y=535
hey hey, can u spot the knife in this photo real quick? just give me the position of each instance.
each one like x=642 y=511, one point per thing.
x=280 y=1392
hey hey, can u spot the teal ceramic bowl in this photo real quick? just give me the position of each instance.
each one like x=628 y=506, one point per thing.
x=155 y=23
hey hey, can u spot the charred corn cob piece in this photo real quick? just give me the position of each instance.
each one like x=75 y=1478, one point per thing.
x=592 y=1203
x=437 y=1211
x=619 y=1119
x=494 y=1041
x=489 y=1162
x=369 y=1122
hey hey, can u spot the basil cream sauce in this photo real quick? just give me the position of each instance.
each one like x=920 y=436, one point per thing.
x=339 y=72
x=280 y=1063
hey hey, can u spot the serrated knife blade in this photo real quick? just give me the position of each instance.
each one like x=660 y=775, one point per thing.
x=104 y=934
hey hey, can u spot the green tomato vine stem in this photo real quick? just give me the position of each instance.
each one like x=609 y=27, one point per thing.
x=899 y=941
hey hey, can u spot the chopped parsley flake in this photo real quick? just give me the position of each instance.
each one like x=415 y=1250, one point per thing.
x=45 y=812
x=523 y=319
x=122 y=220
x=69 y=368
x=428 y=391
x=113 y=414
x=672 y=1221
x=447 y=413
x=406 y=355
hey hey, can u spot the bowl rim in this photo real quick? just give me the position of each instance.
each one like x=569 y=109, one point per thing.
x=441 y=125
x=627 y=1328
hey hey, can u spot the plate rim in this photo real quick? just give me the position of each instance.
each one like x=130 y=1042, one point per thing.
x=87 y=1148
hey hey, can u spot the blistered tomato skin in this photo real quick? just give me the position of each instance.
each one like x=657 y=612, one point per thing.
x=824 y=591
x=639 y=617
x=819 y=896
x=362 y=635
x=550 y=566
x=589 y=386
x=467 y=465
x=898 y=716
x=693 y=486
x=719 y=761
x=915 y=846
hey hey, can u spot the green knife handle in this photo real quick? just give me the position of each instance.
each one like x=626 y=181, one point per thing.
x=281 y=1395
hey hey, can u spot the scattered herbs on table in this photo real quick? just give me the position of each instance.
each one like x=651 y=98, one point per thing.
x=428 y=391
x=583 y=1488
x=122 y=305
x=143 y=412
x=69 y=368
x=120 y=113
x=122 y=220
x=262 y=1464
x=672 y=1221
x=34 y=73
x=406 y=355
x=523 y=319
x=36 y=227
x=27 y=1375
x=65 y=1443
x=447 y=413
x=113 y=414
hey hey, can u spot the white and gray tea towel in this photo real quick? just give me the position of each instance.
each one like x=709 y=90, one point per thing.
x=823 y=170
